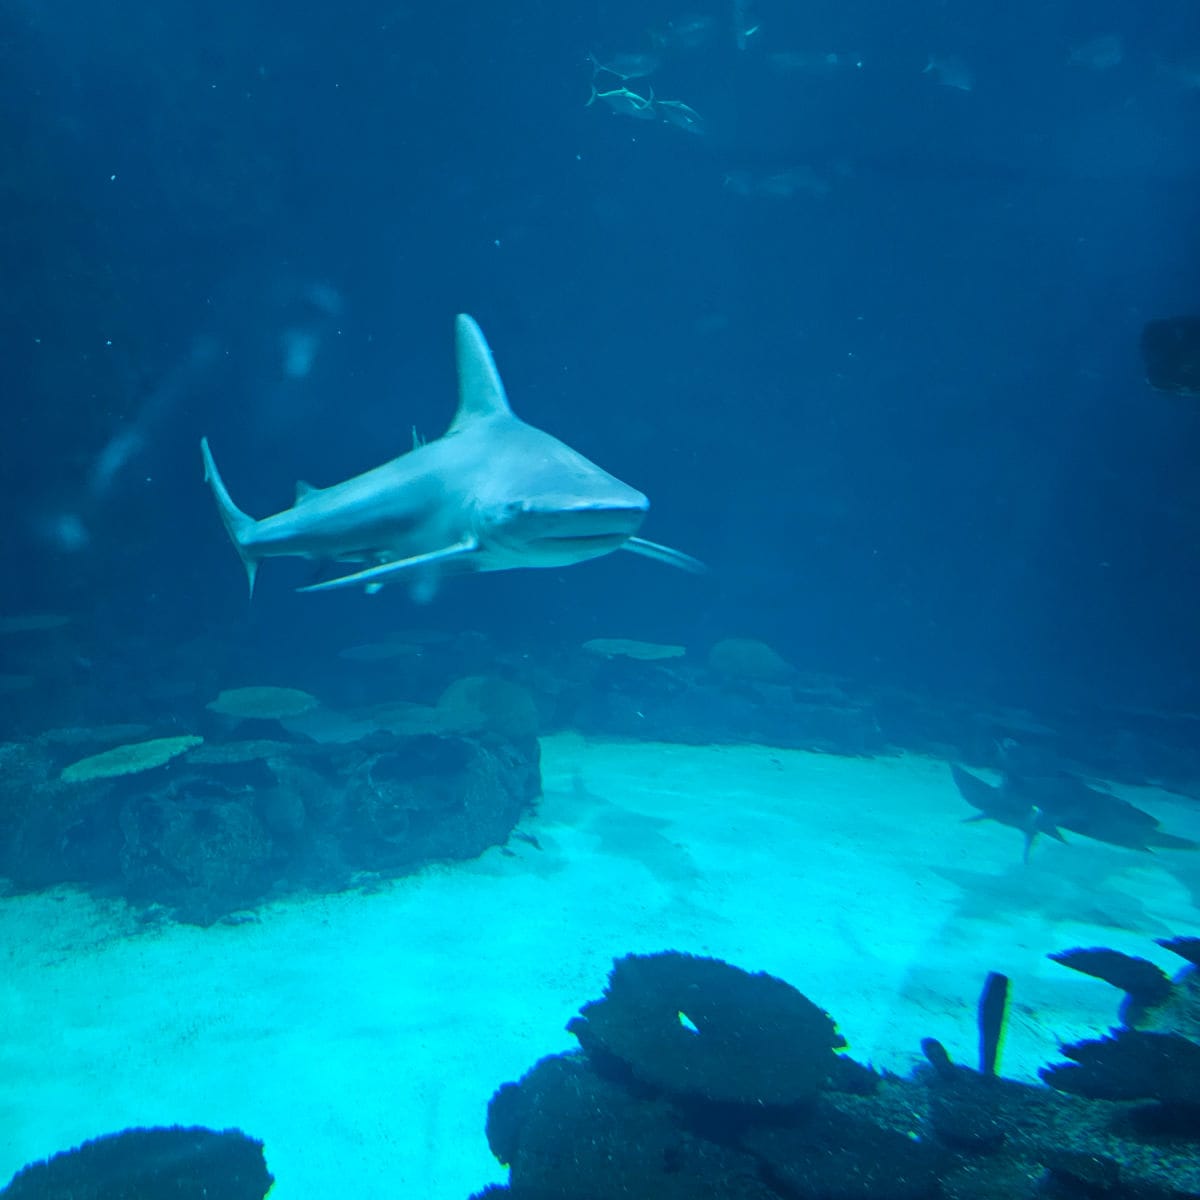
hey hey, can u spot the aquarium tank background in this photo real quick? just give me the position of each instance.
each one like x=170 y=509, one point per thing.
x=908 y=427
x=888 y=309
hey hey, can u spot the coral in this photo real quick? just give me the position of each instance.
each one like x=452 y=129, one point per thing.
x=698 y=1027
x=129 y=760
x=626 y=648
x=687 y=1088
x=150 y=1164
x=262 y=703
x=491 y=703
x=1130 y=1065
x=748 y=661
x=1137 y=977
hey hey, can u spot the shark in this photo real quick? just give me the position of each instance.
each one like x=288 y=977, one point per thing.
x=491 y=494
x=1048 y=803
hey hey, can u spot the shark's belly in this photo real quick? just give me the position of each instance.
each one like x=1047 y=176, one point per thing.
x=346 y=536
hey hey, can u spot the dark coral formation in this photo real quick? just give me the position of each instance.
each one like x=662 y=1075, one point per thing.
x=677 y=1023
x=1137 y=977
x=209 y=835
x=771 y=1111
x=150 y=1164
x=1154 y=1054
x=1131 y=1064
x=643 y=1110
x=1186 y=947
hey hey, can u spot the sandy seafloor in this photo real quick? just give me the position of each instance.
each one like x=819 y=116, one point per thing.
x=360 y=1036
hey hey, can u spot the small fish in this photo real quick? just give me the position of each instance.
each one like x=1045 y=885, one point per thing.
x=1183 y=75
x=1098 y=54
x=625 y=65
x=681 y=115
x=744 y=25
x=689 y=32
x=1171 y=355
x=780 y=185
x=804 y=62
x=625 y=103
x=950 y=71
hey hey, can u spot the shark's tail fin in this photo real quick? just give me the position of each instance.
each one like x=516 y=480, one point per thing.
x=238 y=525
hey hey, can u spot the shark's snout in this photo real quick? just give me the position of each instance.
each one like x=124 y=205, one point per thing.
x=558 y=531
x=625 y=516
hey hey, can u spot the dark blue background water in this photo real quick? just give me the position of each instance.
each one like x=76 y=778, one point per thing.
x=903 y=420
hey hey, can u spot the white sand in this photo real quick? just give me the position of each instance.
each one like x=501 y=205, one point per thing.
x=361 y=1036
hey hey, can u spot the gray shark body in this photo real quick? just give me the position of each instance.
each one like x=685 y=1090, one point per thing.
x=491 y=494
x=1047 y=804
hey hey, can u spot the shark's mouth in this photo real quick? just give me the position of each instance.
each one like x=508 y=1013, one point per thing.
x=566 y=549
x=581 y=539
x=580 y=527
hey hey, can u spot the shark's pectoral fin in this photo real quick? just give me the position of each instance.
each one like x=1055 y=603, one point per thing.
x=373 y=578
x=664 y=554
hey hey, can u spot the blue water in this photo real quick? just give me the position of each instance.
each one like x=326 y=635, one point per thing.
x=857 y=305
x=901 y=412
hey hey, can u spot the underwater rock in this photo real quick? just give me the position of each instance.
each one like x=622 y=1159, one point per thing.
x=491 y=703
x=1155 y=1053
x=1186 y=947
x=221 y=832
x=1072 y=1173
x=565 y=1131
x=643 y=1113
x=835 y=1155
x=431 y=799
x=965 y=1119
x=1153 y=1002
x=1131 y=1065
x=673 y=700
x=749 y=661
x=237 y=752
x=150 y=1164
x=1140 y=979
x=84 y=735
x=700 y=1028
x=200 y=854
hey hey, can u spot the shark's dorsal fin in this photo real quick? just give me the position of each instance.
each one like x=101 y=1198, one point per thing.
x=480 y=392
x=304 y=490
